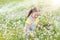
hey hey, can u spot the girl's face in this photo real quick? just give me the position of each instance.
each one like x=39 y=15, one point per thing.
x=35 y=14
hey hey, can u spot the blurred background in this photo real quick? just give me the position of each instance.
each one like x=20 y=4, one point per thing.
x=13 y=16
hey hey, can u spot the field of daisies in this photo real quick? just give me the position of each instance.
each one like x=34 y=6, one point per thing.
x=13 y=14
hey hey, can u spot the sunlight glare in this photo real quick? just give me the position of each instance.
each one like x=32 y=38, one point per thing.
x=55 y=4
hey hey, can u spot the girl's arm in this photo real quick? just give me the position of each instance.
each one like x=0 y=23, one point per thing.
x=28 y=29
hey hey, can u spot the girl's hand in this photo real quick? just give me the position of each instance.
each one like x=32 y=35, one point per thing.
x=31 y=33
x=38 y=26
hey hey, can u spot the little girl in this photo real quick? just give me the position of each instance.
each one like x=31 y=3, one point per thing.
x=32 y=21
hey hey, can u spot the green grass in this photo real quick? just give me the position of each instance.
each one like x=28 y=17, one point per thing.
x=11 y=27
